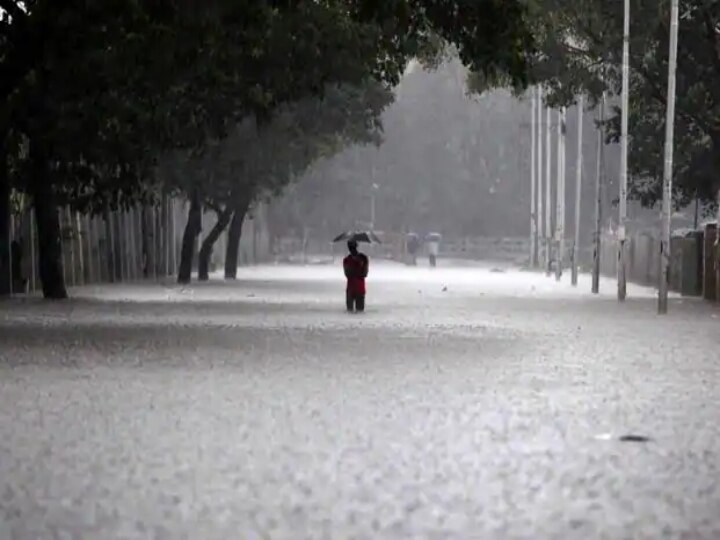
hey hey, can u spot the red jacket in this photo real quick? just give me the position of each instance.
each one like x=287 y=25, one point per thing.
x=356 y=270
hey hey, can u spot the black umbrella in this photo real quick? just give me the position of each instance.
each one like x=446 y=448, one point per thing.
x=367 y=237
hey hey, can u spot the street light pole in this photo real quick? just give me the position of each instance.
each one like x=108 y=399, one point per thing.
x=540 y=215
x=599 y=174
x=622 y=228
x=560 y=196
x=533 y=185
x=548 y=190
x=668 y=168
x=578 y=190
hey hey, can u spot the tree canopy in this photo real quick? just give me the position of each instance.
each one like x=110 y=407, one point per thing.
x=579 y=49
x=94 y=94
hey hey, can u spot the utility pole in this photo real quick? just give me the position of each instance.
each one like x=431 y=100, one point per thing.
x=373 y=191
x=540 y=215
x=533 y=185
x=668 y=168
x=548 y=190
x=578 y=190
x=599 y=181
x=560 y=196
x=622 y=226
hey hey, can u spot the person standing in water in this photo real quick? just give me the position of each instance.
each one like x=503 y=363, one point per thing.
x=432 y=241
x=355 y=266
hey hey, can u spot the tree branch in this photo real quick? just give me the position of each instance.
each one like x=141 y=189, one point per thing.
x=13 y=9
x=656 y=93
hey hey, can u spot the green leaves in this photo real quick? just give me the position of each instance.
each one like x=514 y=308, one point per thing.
x=108 y=88
x=579 y=48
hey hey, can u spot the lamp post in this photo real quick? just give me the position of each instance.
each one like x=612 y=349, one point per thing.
x=541 y=245
x=533 y=185
x=373 y=192
x=622 y=231
x=599 y=181
x=668 y=167
x=548 y=190
x=578 y=191
x=560 y=196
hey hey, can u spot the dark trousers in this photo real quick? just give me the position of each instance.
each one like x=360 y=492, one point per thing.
x=354 y=301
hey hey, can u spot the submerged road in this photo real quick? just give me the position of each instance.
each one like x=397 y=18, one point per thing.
x=466 y=403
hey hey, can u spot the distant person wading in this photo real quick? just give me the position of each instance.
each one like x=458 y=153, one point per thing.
x=356 y=270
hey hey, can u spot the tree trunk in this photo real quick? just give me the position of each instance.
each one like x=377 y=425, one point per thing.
x=717 y=249
x=233 y=246
x=49 y=244
x=5 y=259
x=109 y=246
x=209 y=242
x=192 y=230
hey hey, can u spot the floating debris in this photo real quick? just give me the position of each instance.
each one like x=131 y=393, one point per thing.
x=635 y=438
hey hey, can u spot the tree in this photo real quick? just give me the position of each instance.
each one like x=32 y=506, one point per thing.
x=72 y=80
x=102 y=89
x=256 y=163
x=579 y=46
x=447 y=162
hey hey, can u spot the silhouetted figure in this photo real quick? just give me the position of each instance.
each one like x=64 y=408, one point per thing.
x=432 y=241
x=355 y=266
x=413 y=245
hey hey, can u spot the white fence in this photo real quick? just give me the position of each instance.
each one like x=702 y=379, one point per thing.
x=126 y=245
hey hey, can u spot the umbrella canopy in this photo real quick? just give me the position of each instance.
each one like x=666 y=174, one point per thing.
x=433 y=237
x=367 y=237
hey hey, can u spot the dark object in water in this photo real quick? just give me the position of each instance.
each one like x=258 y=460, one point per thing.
x=635 y=438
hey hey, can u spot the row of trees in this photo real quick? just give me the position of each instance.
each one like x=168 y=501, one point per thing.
x=449 y=162
x=579 y=50
x=432 y=147
x=109 y=104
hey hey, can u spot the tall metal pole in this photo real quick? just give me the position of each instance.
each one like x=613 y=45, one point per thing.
x=599 y=181
x=668 y=168
x=578 y=190
x=622 y=228
x=533 y=185
x=563 y=179
x=560 y=197
x=540 y=215
x=548 y=190
x=373 y=194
